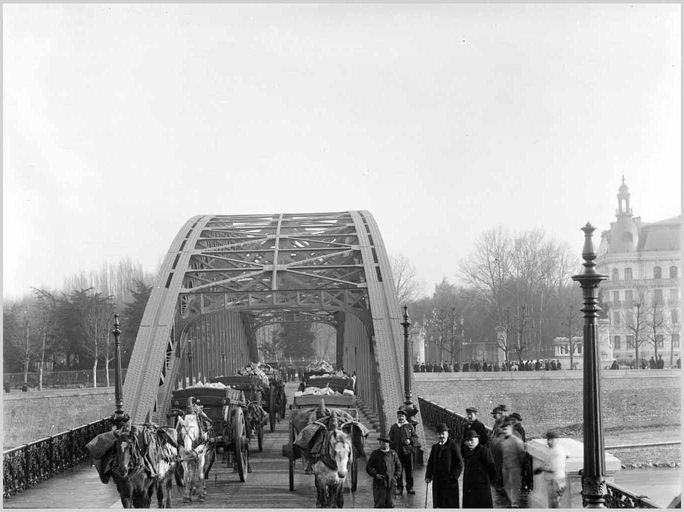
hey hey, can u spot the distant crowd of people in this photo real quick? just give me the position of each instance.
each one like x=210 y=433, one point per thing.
x=484 y=366
x=496 y=468
x=651 y=364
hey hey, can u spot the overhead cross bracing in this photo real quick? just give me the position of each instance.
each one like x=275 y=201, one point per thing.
x=226 y=276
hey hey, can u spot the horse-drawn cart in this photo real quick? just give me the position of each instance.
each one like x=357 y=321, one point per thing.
x=255 y=417
x=224 y=407
x=314 y=409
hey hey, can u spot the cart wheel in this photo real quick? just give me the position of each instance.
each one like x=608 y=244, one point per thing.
x=260 y=437
x=240 y=445
x=291 y=458
x=272 y=408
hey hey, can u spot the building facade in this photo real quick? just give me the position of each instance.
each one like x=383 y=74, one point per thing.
x=642 y=293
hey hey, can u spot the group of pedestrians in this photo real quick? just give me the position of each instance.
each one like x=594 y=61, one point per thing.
x=496 y=469
x=484 y=366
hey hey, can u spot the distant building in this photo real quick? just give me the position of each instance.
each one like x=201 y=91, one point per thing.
x=561 y=348
x=642 y=293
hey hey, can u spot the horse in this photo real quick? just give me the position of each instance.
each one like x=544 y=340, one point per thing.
x=307 y=422
x=197 y=451
x=330 y=471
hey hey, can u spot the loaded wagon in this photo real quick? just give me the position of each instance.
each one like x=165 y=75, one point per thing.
x=253 y=387
x=343 y=405
x=224 y=407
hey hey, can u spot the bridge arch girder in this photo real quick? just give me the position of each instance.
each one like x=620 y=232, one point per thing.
x=235 y=273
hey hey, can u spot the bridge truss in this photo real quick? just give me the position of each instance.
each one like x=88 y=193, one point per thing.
x=226 y=276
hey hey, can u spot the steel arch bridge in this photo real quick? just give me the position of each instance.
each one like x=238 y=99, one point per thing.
x=226 y=276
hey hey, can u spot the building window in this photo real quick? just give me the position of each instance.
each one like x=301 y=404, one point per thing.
x=657 y=296
x=616 y=318
x=628 y=274
x=629 y=297
x=630 y=341
x=673 y=272
x=616 y=298
x=675 y=316
x=616 y=342
x=630 y=318
x=659 y=340
x=657 y=273
x=616 y=276
x=674 y=296
x=675 y=340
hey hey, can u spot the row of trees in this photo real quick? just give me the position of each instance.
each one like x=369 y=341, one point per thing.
x=70 y=329
x=514 y=289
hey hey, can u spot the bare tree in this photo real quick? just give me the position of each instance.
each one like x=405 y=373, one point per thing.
x=635 y=322
x=654 y=322
x=404 y=273
x=46 y=302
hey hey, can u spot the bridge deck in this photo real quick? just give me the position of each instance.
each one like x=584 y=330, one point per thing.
x=266 y=487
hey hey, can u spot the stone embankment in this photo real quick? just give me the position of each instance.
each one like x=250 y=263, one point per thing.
x=639 y=407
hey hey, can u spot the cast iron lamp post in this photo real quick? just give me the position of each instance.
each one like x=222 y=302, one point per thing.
x=119 y=417
x=409 y=406
x=593 y=481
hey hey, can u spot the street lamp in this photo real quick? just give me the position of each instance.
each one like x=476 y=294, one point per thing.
x=593 y=481
x=409 y=406
x=119 y=417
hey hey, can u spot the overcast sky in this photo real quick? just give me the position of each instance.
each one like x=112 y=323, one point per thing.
x=443 y=120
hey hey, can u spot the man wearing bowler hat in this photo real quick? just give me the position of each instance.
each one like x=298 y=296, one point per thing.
x=403 y=438
x=384 y=466
x=479 y=472
x=444 y=466
x=476 y=425
x=518 y=429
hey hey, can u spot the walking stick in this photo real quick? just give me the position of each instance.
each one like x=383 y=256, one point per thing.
x=427 y=484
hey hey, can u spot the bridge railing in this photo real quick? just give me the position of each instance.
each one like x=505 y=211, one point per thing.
x=433 y=414
x=29 y=464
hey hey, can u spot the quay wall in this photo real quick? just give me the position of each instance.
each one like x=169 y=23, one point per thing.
x=553 y=399
x=33 y=415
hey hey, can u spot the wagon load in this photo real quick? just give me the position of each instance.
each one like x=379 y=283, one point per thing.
x=252 y=385
x=253 y=369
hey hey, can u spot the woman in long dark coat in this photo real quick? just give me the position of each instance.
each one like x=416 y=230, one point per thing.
x=443 y=469
x=478 y=473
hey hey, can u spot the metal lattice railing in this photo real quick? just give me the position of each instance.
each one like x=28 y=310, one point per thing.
x=618 y=497
x=29 y=464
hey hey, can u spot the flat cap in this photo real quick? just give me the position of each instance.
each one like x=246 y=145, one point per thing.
x=471 y=409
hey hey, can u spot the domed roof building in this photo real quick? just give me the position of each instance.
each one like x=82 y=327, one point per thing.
x=642 y=293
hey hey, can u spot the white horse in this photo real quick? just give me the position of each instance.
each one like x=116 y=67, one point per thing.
x=330 y=471
x=196 y=456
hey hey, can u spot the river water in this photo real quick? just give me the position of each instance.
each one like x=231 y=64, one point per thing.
x=661 y=485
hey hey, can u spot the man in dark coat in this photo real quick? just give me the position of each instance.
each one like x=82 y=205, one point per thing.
x=403 y=439
x=518 y=429
x=478 y=473
x=476 y=425
x=444 y=466
x=384 y=466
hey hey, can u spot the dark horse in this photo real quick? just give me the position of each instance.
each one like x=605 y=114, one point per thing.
x=140 y=460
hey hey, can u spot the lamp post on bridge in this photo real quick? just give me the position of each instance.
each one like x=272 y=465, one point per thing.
x=119 y=417
x=593 y=481
x=409 y=406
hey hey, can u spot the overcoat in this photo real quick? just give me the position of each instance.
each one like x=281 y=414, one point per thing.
x=445 y=465
x=478 y=474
